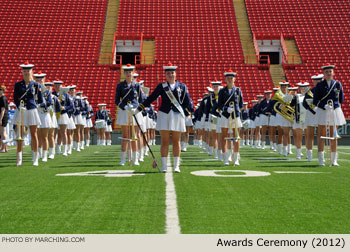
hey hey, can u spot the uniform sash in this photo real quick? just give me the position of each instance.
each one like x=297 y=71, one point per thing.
x=173 y=99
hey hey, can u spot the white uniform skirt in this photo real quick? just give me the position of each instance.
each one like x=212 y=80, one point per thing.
x=188 y=121
x=283 y=122
x=46 y=120
x=54 y=121
x=171 y=121
x=252 y=124
x=310 y=119
x=63 y=120
x=225 y=122
x=88 y=123
x=299 y=125
x=123 y=118
x=71 y=124
x=108 y=128
x=257 y=121
x=330 y=117
x=84 y=121
x=78 y=120
x=29 y=117
x=264 y=120
x=273 y=121
x=218 y=125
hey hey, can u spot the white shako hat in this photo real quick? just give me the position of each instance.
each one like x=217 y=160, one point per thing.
x=210 y=89
x=128 y=67
x=230 y=73
x=260 y=96
x=135 y=74
x=141 y=82
x=39 y=75
x=48 y=83
x=317 y=76
x=26 y=65
x=102 y=104
x=216 y=83
x=79 y=92
x=254 y=101
x=276 y=89
x=245 y=103
x=170 y=67
x=293 y=88
x=303 y=84
x=72 y=87
x=58 y=81
x=268 y=92
x=284 y=83
x=328 y=66
x=84 y=97
x=12 y=104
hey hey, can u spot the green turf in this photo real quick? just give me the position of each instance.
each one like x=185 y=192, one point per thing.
x=35 y=200
x=279 y=203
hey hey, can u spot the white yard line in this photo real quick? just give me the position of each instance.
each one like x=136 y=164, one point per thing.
x=171 y=212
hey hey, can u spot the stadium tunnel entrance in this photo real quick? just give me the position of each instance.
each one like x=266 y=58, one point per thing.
x=128 y=49
x=272 y=48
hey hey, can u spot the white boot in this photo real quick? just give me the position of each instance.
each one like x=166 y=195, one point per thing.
x=230 y=155
x=334 y=157
x=321 y=158
x=135 y=158
x=211 y=149
x=122 y=158
x=176 y=164
x=145 y=150
x=44 y=158
x=280 y=149
x=248 y=142
x=65 y=150
x=275 y=147
x=309 y=155
x=271 y=145
x=226 y=157
x=19 y=158
x=220 y=155
x=185 y=147
x=256 y=144
x=235 y=158
x=140 y=154
x=87 y=142
x=285 y=151
x=259 y=144
x=216 y=153
x=298 y=153
x=51 y=153
x=290 y=149
x=70 y=147
x=182 y=145
x=36 y=159
x=98 y=142
x=74 y=145
x=263 y=145
x=78 y=146
x=33 y=157
x=40 y=151
x=58 y=149
x=164 y=164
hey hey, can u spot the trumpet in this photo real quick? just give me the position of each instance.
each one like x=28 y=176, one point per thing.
x=283 y=108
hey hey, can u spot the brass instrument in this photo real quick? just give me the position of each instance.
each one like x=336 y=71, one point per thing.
x=309 y=100
x=237 y=138
x=283 y=108
x=20 y=121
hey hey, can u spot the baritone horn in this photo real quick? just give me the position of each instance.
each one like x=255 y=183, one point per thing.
x=283 y=108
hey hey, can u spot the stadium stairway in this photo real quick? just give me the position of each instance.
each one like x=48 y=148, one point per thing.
x=109 y=30
x=148 y=51
x=277 y=73
x=293 y=51
x=245 y=32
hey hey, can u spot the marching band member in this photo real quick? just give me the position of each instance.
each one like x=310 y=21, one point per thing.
x=26 y=93
x=141 y=143
x=128 y=96
x=45 y=118
x=200 y=120
x=195 y=125
x=62 y=106
x=4 y=119
x=214 y=116
x=310 y=120
x=51 y=131
x=230 y=103
x=171 y=116
x=100 y=123
x=328 y=97
x=89 y=115
x=188 y=113
x=245 y=122
x=265 y=115
x=108 y=129
x=251 y=114
x=71 y=125
x=78 y=120
x=257 y=110
x=299 y=119
x=285 y=124
x=207 y=109
x=274 y=125
x=10 y=131
x=292 y=92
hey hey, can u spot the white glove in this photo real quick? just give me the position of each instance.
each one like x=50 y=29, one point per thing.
x=135 y=111
x=327 y=107
x=288 y=98
x=128 y=107
x=229 y=110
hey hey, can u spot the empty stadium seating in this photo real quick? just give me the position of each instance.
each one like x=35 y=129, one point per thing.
x=320 y=28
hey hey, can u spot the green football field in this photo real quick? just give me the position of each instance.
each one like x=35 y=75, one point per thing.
x=111 y=199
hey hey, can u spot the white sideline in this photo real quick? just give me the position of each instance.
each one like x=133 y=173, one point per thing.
x=171 y=212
